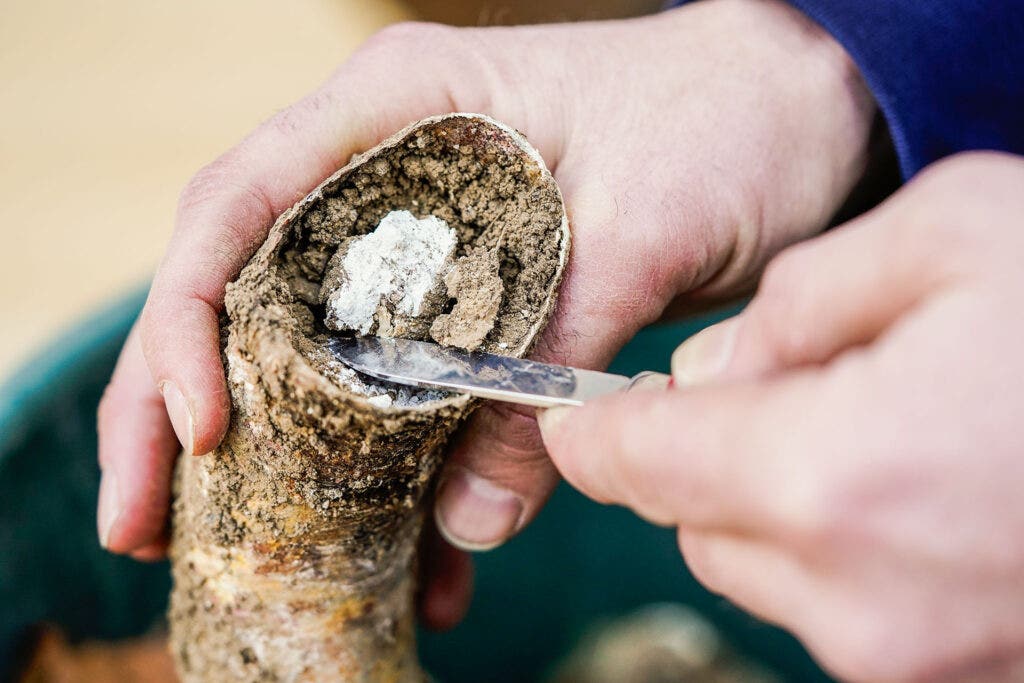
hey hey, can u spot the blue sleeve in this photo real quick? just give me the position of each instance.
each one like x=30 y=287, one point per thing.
x=948 y=75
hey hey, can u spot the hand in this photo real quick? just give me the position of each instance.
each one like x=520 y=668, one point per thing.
x=690 y=147
x=844 y=457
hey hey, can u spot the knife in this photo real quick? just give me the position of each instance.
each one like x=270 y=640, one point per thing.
x=485 y=375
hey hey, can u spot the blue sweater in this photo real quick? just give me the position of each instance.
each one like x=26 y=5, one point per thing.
x=948 y=75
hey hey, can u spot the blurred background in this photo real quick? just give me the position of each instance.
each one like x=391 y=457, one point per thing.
x=108 y=107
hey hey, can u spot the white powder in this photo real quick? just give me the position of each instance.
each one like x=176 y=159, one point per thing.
x=380 y=394
x=381 y=401
x=401 y=262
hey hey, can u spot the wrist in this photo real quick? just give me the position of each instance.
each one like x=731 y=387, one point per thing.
x=828 y=110
x=815 y=116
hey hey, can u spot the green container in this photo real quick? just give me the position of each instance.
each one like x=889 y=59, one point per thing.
x=579 y=563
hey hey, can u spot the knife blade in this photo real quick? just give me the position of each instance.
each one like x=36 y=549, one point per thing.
x=428 y=365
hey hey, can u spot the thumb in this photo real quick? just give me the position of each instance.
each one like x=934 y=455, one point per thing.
x=818 y=299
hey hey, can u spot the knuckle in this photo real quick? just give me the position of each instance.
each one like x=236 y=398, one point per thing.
x=820 y=514
x=206 y=185
x=303 y=114
x=229 y=215
x=784 y=275
x=951 y=175
x=945 y=203
x=406 y=37
x=502 y=438
x=519 y=432
x=452 y=62
x=776 y=310
x=235 y=241
x=775 y=292
x=621 y=289
x=951 y=192
x=223 y=189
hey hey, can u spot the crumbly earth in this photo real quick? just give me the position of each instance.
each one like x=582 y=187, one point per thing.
x=293 y=542
x=476 y=286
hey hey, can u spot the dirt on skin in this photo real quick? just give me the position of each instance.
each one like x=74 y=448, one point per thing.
x=293 y=543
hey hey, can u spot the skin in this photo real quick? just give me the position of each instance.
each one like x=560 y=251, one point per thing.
x=844 y=457
x=690 y=146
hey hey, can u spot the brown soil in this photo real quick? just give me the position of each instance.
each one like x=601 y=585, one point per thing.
x=293 y=543
x=477 y=288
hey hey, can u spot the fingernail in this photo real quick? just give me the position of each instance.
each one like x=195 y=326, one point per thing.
x=551 y=420
x=650 y=381
x=705 y=356
x=180 y=414
x=474 y=514
x=109 y=509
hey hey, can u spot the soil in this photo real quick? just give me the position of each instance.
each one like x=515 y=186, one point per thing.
x=476 y=286
x=293 y=544
x=366 y=291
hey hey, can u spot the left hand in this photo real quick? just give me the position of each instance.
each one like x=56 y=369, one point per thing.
x=846 y=457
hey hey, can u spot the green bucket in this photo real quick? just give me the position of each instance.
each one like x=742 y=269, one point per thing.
x=579 y=564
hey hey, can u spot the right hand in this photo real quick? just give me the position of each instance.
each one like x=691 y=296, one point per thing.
x=843 y=458
x=690 y=147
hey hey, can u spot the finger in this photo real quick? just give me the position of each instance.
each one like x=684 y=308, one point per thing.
x=851 y=633
x=446 y=580
x=137 y=448
x=759 y=577
x=734 y=458
x=827 y=295
x=497 y=478
x=776 y=587
x=227 y=209
x=734 y=466
x=223 y=216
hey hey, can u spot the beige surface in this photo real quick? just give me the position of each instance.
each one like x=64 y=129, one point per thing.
x=106 y=110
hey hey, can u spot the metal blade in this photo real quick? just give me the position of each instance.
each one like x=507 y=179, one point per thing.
x=424 y=364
